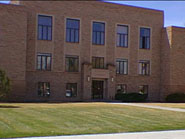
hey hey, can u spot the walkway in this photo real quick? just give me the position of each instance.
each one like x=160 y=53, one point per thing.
x=154 y=107
x=178 y=134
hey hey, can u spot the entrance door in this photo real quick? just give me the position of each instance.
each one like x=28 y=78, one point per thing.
x=97 y=89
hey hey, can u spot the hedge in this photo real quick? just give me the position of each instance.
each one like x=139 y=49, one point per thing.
x=176 y=98
x=131 y=97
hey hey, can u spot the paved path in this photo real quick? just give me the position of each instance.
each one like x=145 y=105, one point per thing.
x=154 y=107
x=178 y=134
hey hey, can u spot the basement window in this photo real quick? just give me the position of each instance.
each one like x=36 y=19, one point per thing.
x=71 y=89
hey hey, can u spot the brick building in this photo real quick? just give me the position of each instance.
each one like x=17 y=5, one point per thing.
x=82 y=51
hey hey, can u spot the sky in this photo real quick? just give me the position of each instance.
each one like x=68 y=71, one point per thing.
x=174 y=11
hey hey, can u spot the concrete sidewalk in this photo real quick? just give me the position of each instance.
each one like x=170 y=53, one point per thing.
x=175 y=134
x=153 y=107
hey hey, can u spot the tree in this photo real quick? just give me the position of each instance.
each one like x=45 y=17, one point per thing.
x=4 y=84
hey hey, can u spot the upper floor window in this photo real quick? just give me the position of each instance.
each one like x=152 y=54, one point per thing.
x=72 y=63
x=72 y=30
x=44 y=89
x=144 y=38
x=98 y=62
x=143 y=89
x=44 y=27
x=71 y=90
x=98 y=33
x=122 y=66
x=43 y=61
x=121 y=88
x=122 y=35
x=144 y=67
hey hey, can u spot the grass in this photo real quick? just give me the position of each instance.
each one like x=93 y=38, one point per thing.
x=170 y=105
x=24 y=120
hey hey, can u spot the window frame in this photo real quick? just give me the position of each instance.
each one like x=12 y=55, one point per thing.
x=121 y=87
x=72 y=57
x=150 y=34
x=123 y=25
x=147 y=88
x=72 y=29
x=98 y=65
x=46 y=55
x=104 y=35
x=76 y=93
x=41 y=15
x=145 y=72
x=120 y=60
x=43 y=94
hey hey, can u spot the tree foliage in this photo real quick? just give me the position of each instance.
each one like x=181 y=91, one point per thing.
x=4 y=84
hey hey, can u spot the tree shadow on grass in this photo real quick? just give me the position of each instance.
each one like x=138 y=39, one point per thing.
x=8 y=107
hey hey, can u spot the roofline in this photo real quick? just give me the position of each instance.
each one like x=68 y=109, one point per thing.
x=180 y=27
x=131 y=6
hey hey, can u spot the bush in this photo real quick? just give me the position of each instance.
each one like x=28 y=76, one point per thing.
x=176 y=98
x=131 y=97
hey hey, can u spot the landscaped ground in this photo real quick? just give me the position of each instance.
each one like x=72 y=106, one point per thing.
x=20 y=120
x=170 y=105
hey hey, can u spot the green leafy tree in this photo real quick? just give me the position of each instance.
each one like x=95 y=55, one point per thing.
x=4 y=84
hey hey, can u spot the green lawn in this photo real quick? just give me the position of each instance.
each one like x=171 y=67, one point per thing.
x=21 y=120
x=170 y=105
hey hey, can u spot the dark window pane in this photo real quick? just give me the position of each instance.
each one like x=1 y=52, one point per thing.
x=44 y=89
x=144 y=67
x=145 y=38
x=72 y=30
x=98 y=62
x=44 y=61
x=72 y=63
x=98 y=33
x=71 y=89
x=122 y=66
x=44 y=27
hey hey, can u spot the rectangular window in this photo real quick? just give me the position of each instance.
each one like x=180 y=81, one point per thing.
x=43 y=61
x=143 y=89
x=121 y=88
x=98 y=62
x=71 y=90
x=72 y=30
x=44 y=27
x=72 y=63
x=98 y=33
x=122 y=36
x=144 y=67
x=122 y=66
x=44 y=89
x=144 y=38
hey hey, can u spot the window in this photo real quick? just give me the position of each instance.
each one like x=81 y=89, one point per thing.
x=71 y=90
x=72 y=30
x=44 y=89
x=144 y=38
x=144 y=67
x=72 y=63
x=98 y=62
x=44 y=61
x=122 y=36
x=98 y=33
x=121 y=88
x=122 y=66
x=44 y=27
x=143 y=89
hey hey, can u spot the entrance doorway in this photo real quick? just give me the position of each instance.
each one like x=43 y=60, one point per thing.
x=97 y=89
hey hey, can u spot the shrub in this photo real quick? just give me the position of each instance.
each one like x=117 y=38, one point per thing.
x=176 y=98
x=131 y=97
x=4 y=84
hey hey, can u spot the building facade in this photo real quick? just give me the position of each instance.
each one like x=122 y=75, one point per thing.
x=83 y=51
